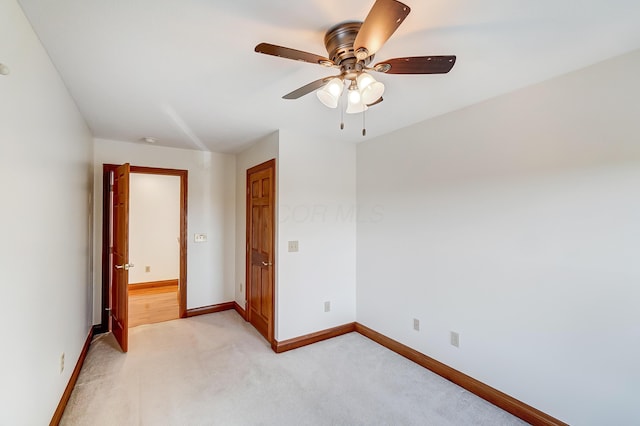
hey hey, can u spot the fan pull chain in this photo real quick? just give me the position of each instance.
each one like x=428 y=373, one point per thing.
x=341 y=115
x=364 y=130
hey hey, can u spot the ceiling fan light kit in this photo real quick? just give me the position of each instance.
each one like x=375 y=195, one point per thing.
x=363 y=91
x=351 y=47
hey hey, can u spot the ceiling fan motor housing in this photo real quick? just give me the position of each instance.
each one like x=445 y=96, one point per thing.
x=339 y=43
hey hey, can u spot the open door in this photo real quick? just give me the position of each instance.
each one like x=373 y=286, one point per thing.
x=120 y=263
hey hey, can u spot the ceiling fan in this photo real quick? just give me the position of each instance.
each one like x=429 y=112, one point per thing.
x=351 y=47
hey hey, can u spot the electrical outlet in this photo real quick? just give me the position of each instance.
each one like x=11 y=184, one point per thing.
x=416 y=324
x=200 y=238
x=293 y=246
x=62 y=363
x=327 y=306
x=147 y=268
x=455 y=339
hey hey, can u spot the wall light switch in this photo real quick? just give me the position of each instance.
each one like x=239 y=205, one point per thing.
x=200 y=238
x=293 y=246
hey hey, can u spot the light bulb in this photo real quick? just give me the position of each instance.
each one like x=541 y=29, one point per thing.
x=354 y=97
x=365 y=80
x=335 y=87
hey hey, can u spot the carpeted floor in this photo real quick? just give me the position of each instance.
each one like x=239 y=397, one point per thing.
x=217 y=370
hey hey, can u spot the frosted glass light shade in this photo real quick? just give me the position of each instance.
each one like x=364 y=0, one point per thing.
x=330 y=93
x=372 y=93
x=370 y=89
x=356 y=108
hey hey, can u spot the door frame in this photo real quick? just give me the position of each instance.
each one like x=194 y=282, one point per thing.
x=271 y=164
x=107 y=170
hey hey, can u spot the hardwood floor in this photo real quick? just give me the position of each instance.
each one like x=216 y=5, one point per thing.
x=151 y=305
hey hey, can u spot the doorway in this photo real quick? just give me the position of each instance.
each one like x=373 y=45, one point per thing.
x=260 y=252
x=148 y=299
x=154 y=242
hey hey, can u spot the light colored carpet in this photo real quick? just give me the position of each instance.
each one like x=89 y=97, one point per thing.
x=217 y=370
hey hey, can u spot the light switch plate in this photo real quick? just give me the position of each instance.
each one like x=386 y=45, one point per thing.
x=293 y=246
x=455 y=339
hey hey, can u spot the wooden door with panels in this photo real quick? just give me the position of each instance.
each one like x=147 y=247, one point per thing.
x=260 y=248
x=120 y=273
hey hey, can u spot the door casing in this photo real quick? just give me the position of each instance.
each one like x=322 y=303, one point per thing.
x=107 y=171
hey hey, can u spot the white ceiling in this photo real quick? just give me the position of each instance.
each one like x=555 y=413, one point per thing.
x=184 y=71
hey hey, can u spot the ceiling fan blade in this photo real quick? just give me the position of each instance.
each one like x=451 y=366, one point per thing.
x=380 y=99
x=417 y=65
x=306 y=89
x=382 y=21
x=298 y=55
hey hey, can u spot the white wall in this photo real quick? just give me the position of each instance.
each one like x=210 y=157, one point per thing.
x=45 y=257
x=516 y=223
x=154 y=227
x=315 y=193
x=316 y=207
x=211 y=201
x=263 y=150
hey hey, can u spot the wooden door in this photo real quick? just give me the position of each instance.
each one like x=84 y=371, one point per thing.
x=120 y=263
x=260 y=248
